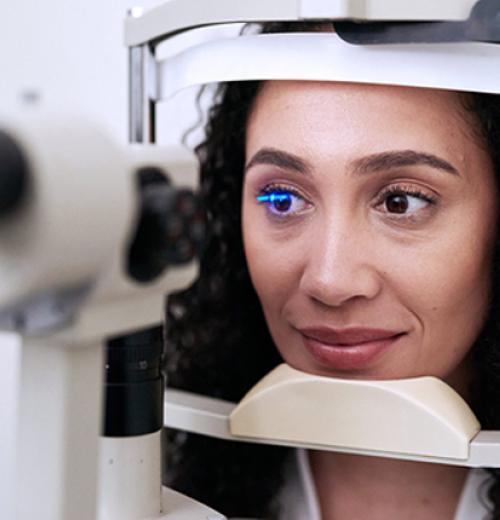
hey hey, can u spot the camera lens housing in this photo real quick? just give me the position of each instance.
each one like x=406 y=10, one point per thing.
x=134 y=384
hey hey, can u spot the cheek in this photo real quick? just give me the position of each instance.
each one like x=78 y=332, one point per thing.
x=274 y=281
x=273 y=272
x=449 y=295
x=274 y=267
x=465 y=294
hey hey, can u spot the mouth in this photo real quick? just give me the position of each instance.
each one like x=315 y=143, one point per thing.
x=348 y=349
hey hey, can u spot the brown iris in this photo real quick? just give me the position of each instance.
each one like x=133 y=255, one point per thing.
x=282 y=202
x=397 y=203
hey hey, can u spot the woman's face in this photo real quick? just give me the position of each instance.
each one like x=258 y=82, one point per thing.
x=369 y=215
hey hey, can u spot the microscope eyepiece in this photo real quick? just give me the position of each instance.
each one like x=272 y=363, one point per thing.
x=13 y=174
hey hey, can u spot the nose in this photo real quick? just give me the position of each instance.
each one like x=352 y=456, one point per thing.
x=340 y=265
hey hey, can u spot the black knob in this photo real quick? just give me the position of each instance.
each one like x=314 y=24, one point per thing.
x=170 y=230
x=13 y=174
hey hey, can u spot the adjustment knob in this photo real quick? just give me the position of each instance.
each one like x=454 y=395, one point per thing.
x=170 y=231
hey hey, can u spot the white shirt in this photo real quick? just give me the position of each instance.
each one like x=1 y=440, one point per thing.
x=299 y=500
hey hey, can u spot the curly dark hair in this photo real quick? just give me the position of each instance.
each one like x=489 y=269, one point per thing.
x=218 y=343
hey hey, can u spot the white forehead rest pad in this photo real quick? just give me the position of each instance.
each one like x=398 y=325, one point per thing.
x=470 y=67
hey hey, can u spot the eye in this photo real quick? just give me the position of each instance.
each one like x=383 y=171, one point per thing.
x=281 y=201
x=404 y=201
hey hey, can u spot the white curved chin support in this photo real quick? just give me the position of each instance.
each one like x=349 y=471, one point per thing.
x=420 y=416
x=470 y=67
x=419 y=419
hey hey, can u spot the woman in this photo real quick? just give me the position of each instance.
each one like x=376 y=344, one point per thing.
x=353 y=234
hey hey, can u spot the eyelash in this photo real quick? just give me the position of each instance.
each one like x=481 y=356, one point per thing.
x=405 y=190
x=276 y=189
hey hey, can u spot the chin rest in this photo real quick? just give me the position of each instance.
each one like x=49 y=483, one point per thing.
x=421 y=416
x=419 y=419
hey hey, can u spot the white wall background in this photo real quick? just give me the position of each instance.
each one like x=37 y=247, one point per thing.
x=68 y=55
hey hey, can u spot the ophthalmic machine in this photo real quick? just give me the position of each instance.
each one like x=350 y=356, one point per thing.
x=94 y=235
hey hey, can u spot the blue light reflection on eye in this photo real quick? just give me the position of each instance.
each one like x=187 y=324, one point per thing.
x=274 y=197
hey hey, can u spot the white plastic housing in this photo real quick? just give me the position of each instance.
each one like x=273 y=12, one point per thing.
x=177 y=15
x=130 y=484
x=421 y=416
x=467 y=67
x=76 y=220
x=130 y=477
x=76 y=213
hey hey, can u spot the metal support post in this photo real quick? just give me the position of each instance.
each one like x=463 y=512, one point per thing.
x=142 y=94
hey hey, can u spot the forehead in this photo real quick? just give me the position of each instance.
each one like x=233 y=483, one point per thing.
x=340 y=94
x=328 y=116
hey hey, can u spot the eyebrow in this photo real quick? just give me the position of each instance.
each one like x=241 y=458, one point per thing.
x=399 y=159
x=370 y=164
x=279 y=158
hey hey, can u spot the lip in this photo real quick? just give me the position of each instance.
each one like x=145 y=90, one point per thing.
x=352 y=348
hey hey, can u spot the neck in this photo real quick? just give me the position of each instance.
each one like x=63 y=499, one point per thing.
x=356 y=486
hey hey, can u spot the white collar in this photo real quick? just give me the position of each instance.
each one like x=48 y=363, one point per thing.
x=299 y=500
